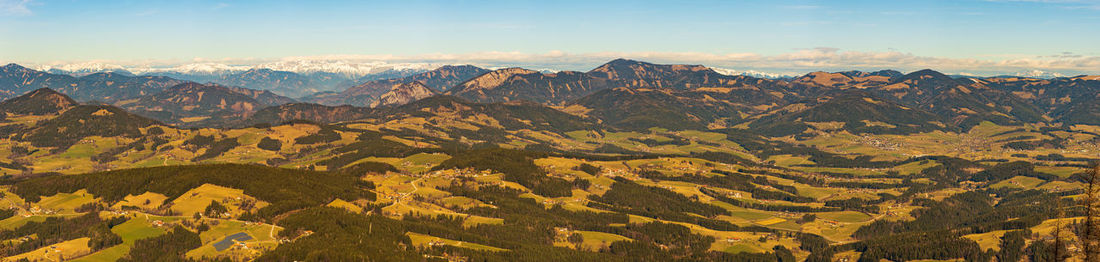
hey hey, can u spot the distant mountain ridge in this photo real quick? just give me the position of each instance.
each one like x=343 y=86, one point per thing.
x=621 y=93
x=182 y=103
x=512 y=84
x=857 y=111
x=105 y=87
x=857 y=79
x=643 y=108
x=368 y=93
x=290 y=78
x=281 y=82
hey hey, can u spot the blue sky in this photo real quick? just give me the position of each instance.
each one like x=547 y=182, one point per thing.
x=982 y=37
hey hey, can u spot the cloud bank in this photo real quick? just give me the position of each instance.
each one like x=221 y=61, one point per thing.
x=791 y=63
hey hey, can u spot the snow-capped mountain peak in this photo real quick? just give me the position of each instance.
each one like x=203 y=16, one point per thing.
x=347 y=69
x=196 y=68
x=752 y=73
x=84 y=68
x=344 y=68
x=1035 y=73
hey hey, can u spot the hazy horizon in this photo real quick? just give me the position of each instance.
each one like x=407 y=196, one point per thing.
x=984 y=38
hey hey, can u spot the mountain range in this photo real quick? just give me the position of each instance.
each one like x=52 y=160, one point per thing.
x=189 y=104
x=367 y=93
x=629 y=161
x=621 y=93
x=289 y=78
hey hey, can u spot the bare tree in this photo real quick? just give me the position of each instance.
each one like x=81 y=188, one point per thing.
x=1057 y=234
x=1090 y=241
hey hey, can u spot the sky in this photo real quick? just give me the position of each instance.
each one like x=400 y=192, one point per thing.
x=983 y=37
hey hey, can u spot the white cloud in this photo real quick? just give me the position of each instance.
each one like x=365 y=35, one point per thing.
x=795 y=62
x=1068 y=4
x=148 y=12
x=801 y=7
x=14 y=7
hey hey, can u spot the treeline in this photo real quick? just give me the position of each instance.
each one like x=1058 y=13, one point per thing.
x=341 y=236
x=138 y=145
x=723 y=157
x=764 y=148
x=657 y=241
x=57 y=229
x=588 y=168
x=940 y=245
x=1009 y=170
x=767 y=207
x=83 y=121
x=740 y=182
x=747 y=183
x=864 y=185
x=516 y=165
x=531 y=225
x=214 y=146
x=949 y=172
x=172 y=246
x=527 y=221
x=937 y=231
x=270 y=144
x=860 y=204
x=326 y=135
x=1060 y=157
x=285 y=189
x=673 y=140
x=365 y=167
x=654 y=201
x=6 y=213
x=217 y=148
x=369 y=144
x=1057 y=143
x=629 y=197
x=972 y=212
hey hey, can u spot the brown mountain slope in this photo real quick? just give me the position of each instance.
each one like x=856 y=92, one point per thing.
x=512 y=84
x=180 y=103
x=38 y=102
x=403 y=94
x=364 y=94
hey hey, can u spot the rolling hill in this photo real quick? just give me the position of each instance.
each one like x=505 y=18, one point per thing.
x=305 y=111
x=185 y=103
x=42 y=101
x=84 y=121
x=854 y=111
x=641 y=109
x=509 y=116
x=848 y=79
x=631 y=161
x=965 y=102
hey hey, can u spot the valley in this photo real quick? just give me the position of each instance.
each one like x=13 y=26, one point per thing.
x=630 y=161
